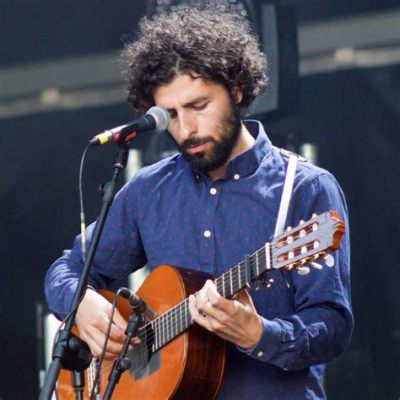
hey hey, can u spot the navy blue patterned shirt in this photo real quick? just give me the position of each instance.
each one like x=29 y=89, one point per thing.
x=170 y=214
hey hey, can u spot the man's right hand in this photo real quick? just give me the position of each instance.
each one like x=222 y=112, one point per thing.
x=92 y=320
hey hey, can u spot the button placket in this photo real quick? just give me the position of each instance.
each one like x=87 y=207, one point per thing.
x=207 y=240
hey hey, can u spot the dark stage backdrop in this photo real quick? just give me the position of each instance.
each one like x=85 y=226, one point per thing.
x=352 y=117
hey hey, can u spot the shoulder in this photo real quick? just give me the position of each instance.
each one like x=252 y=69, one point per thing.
x=160 y=168
x=310 y=181
x=306 y=172
x=153 y=176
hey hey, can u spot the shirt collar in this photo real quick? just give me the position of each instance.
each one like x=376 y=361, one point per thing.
x=247 y=162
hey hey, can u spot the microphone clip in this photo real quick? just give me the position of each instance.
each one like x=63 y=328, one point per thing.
x=137 y=304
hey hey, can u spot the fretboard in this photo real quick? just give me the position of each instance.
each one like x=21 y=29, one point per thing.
x=169 y=325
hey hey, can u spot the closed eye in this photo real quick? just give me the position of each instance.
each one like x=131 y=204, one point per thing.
x=199 y=107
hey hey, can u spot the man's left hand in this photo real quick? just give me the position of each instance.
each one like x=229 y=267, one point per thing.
x=234 y=320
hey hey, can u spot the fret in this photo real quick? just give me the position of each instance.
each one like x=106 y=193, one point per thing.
x=162 y=324
x=219 y=283
x=230 y=282
x=153 y=327
x=240 y=276
x=257 y=264
x=187 y=315
x=180 y=324
x=175 y=323
x=169 y=326
x=236 y=280
x=162 y=331
x=159 y=330
x=172 y=319
x=267 y=256
x=223 y=285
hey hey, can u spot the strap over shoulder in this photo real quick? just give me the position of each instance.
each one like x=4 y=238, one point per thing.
x=287 y=188
x=286 y=153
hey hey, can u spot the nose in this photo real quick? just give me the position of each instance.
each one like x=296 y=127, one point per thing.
x=187 y=125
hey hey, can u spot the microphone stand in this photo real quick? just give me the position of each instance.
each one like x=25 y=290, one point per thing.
x=78 y=383
x=121 y=364
x=61 y=347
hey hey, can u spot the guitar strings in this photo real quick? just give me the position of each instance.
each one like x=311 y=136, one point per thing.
x=165 y=325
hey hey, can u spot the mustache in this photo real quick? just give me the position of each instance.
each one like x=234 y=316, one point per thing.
x=195 y=141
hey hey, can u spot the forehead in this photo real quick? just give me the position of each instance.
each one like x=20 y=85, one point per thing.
x=184 y=89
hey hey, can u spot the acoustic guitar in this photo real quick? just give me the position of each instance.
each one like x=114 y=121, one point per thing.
x=180 y=360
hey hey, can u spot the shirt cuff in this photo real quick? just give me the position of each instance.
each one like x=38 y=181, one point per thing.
x=268 y=345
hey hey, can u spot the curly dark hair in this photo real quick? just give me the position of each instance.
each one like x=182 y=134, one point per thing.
x=215 y=44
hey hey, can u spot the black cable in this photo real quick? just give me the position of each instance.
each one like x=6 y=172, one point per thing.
x=81 y=205
x=83 y=241
x=103 y=352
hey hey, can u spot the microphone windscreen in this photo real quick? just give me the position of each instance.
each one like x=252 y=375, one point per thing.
x=161 y=117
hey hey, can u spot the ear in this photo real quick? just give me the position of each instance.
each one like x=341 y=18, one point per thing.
x=237 y=94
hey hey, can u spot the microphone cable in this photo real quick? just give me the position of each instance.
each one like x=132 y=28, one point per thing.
x=107 y=336
x=83 y=244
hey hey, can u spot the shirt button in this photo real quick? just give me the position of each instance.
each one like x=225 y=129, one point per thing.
x=260 y=354
x=207 y=234
x=213 y=191
x=236 y=177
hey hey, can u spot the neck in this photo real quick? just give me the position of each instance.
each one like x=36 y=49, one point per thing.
x=245 y=141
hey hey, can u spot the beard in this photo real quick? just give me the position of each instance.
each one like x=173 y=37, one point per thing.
x=220 y=149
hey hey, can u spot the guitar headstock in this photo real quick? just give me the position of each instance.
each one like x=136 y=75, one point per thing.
x=307 y=242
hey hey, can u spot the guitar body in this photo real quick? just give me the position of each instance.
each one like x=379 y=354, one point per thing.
x=189 y=367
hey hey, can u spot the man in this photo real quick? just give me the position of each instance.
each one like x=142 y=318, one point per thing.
x=212 y=204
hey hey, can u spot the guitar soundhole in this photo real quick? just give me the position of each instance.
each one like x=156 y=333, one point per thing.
x=143 y=361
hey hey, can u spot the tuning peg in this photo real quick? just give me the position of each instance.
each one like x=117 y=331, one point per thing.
x=303 y=270
x=316 y=265
x=329 y=260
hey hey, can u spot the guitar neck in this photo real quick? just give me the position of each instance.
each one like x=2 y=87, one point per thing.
x=176 y=320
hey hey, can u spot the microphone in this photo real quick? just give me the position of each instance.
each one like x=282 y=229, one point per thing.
x=155 y=119
x=137 y=303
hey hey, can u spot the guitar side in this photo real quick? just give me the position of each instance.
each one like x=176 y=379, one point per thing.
x=190 y=366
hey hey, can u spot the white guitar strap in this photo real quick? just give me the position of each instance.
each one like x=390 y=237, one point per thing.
x=286 y=193
x=286 y=196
